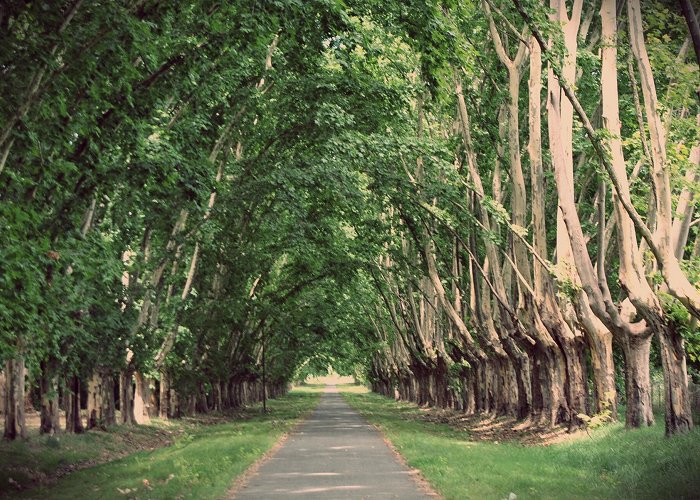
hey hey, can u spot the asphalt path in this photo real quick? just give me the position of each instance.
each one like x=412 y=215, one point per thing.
x=335 y=453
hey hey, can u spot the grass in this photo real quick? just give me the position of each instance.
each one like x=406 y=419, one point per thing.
x=203 y=461
x=612 y=463
x=24 y=463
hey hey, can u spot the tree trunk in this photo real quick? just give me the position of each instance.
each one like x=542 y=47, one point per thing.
x=153 y=399
x=74 y=421
x=693 y=27
x=14 y=399
x=100 y=403
x=218 y=398
x=175 y=406
x=126 y=398
x=603 y=368
x=225 y=399
x=142 y=399
x=191 y=405
x=637 y=381
x=678 y=412
x=202 y=404
x=548 y=384
x=48 y=389
x=660 y=242
x=523 y=377
x=164 y=395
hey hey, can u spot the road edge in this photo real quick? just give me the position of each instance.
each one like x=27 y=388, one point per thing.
x=416 y=474
x=240 y=482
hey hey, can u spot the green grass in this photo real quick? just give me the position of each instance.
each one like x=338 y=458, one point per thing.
x=203 y=462
x=612 y=463
x=32 y=461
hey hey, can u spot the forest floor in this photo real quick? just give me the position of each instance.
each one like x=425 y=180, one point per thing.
x=185 y=458
x=473 y=458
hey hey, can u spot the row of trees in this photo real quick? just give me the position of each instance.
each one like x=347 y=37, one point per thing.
x=212 y=199
x=170 y=214
x=555 y=237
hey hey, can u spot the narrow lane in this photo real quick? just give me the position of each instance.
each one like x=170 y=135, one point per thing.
x=335 y=453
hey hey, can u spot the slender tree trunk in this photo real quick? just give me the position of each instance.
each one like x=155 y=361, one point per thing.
x=555 y=365
x=631 y=266
x=225 y=396
x=153 y=398
x=48 y=389
x=521 y=361
x=164 y=394
x=678 y=416
x=74 y=421
x=175 y=404
x=571 y=343
x=142 y=399
x=14 y=398
x=693 y=27
x=202 y=404
x=126 y=398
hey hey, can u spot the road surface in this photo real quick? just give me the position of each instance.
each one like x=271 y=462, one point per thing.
x=335 y=453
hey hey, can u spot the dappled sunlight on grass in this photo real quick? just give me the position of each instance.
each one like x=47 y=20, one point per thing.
x=611 y=463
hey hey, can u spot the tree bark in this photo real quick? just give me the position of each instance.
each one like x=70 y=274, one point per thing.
x=164 y=411
x=600 y=342
x=126 y=398
x=142 y=399
x=521 y=361
x=48 y=389
x=74 y=421
x=100 y=404
x=554 y=365
x=678 y=415
x=570 y=342
x=14 y=399
x=693 y=27
x=638 y=385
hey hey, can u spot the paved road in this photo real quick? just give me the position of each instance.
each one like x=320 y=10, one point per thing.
x=333 y=454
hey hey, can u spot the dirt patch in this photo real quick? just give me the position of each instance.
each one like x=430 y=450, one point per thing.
x=126 y=444
x=501 y=429
x=237 y=414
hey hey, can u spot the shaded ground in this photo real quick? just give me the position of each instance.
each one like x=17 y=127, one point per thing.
x=204 y=457
x=333 y=454
x=501 y=429
x=43 y=460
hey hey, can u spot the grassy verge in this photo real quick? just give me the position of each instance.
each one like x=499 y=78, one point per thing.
x=39 y=460
x=202 y=462
x=612 y=463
